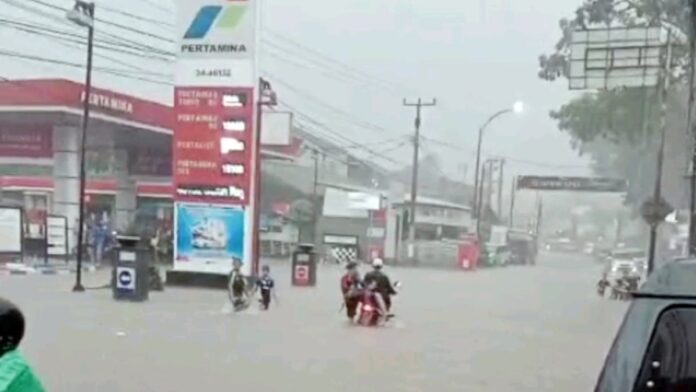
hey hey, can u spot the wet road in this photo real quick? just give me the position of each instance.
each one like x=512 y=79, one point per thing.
x=516 y=329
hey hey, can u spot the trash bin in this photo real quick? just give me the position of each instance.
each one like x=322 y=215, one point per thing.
x=304 y=266
x=130 y=275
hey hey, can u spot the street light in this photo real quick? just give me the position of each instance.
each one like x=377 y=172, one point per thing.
x=83 y=15
x=517 y=107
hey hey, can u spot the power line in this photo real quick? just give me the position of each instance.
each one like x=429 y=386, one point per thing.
x=349 y=117
x=115 y=39
x=77 y=43
x=512 y=159
x=136 y=17
x=334 y=133
x=109 y=23
x=106 y=70
x=345 y=66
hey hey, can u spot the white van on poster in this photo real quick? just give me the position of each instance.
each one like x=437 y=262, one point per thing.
x=209 y=238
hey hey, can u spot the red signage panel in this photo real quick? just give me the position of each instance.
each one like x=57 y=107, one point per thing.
x=26 y=141
x=213 y=145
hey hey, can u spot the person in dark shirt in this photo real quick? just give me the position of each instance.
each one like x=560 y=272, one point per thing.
x=266 y=287
x=238 y=287
x=351 y=288
x=384 y=285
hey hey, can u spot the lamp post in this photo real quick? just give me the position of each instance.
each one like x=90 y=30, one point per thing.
x=517 y=107
x=83 y=15
x=266 y=97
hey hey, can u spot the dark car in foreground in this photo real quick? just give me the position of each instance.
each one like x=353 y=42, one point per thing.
x=655 y=348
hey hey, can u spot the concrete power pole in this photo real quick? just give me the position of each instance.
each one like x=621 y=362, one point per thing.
x=315 y=199
x=501 y=172
x=414 y=175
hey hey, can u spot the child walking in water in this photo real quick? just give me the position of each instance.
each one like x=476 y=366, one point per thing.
x=266 y=287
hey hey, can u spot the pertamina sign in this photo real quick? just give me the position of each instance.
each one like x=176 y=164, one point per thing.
x=222 y=29
x=216 y=43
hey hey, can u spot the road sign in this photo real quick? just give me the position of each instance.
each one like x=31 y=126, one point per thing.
x=655 y=212
x=579 y=184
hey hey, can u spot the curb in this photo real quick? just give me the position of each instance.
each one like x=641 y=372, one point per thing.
x=42 y=271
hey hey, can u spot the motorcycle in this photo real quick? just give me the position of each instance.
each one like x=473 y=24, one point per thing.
x=371 y=316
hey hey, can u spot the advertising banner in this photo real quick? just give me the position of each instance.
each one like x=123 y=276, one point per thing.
x=209 y=238
x=580 y=184
x=57 y=235
x=11 y=230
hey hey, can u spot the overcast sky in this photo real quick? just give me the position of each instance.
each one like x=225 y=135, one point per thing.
x=475 y=57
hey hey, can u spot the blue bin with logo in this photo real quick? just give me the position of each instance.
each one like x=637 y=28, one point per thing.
x=130 y=275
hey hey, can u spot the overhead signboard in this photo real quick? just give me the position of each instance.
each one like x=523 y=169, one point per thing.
x=615 y=57
x=578 y=184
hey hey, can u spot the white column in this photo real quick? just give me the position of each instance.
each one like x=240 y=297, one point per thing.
x=66 y=176
x=126 y=193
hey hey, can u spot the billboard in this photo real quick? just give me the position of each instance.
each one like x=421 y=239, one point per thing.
x=215 y=144
x=209 y=238
x=578 y=184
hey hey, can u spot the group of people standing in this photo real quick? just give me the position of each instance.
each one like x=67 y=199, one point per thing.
x=367 y=300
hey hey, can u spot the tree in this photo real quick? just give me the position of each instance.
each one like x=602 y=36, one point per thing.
x=617 y=128
x=302 y=214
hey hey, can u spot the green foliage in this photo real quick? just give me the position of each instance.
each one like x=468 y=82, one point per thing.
x=616 y=128
x=301 y=211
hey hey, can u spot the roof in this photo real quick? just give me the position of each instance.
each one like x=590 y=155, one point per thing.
x=674 y=279
x=429 y=201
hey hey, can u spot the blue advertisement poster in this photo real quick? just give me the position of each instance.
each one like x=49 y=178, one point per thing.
x=208 y=237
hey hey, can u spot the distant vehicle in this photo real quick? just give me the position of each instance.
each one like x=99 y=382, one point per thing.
x=626 y=262
x=656 y=343
x=589 y=248
x=561 y=245
x=523 y=248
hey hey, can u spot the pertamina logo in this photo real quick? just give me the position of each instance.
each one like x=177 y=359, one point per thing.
x=216 y=18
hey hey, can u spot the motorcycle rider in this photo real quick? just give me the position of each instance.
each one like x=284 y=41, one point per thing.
x=351 y=288
x=373 y=309
x=384 y=285
x=15 y=373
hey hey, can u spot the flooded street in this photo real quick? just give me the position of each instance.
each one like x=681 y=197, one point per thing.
x=536 y=328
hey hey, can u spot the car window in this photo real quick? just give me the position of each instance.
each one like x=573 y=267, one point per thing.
x=670 y=361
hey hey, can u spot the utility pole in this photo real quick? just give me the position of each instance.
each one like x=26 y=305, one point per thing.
x=691 y=130
x=657 y=192
x=83 y=15
x=479 y=198
x=414 y=175
x=492 y=164
x=501 y=171
x=315 y=198
x=513 y=193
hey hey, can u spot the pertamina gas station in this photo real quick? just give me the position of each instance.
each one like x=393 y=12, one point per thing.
x=195 y=163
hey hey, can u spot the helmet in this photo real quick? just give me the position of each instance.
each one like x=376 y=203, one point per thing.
x=377 y=263
x=11 y=326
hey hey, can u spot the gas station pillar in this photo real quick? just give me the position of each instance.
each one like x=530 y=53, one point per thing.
x=66 y=176
x=126 y=192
